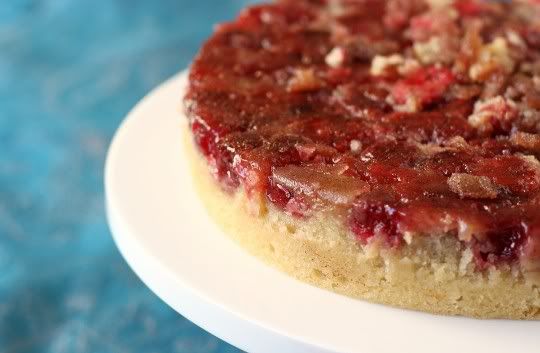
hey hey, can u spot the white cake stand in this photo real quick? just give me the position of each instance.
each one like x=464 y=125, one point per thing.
x=165 y=235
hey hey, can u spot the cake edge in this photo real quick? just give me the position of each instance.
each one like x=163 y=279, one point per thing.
x=434 y=275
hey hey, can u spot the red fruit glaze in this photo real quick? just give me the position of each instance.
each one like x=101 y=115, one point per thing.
x=424 y=85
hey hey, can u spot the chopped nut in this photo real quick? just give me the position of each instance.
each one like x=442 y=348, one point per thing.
x=437 y=49
x=515 y=39
x=408 y=66
x=430 y=149
x=380 y=64
x=411 y=104
x=471 y=44
x=308 y=151
x=530 y=119
x=494 y=85
x=494 y=56
x=532 y=163
x=526 y=140
x=488 y=112
x=457 y=142
x=428 y=52
x=355 y=146
x=472 y=186
x=335 y=58
x=304 y=80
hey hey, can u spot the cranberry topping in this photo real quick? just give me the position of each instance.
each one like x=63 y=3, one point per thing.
x=368 y=219
x=410 y=117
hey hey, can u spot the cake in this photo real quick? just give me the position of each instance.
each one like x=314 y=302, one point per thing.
x=384 y=150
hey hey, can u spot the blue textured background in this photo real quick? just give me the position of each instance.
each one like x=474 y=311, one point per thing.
x=69 y=72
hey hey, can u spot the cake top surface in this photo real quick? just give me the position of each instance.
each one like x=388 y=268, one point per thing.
x=415 y=116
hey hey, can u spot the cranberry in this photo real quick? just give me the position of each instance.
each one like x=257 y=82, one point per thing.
x=376 y=218
x=278 y=195
x=424 y=85
x=204 y=138
x=218 y=157
x=502 y=245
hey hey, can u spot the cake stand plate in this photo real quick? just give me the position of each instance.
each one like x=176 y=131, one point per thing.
x=164 y=233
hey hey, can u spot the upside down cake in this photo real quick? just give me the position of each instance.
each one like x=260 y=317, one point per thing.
x=385 y=150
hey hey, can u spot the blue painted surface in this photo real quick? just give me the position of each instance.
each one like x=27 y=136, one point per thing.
x=69 y=71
